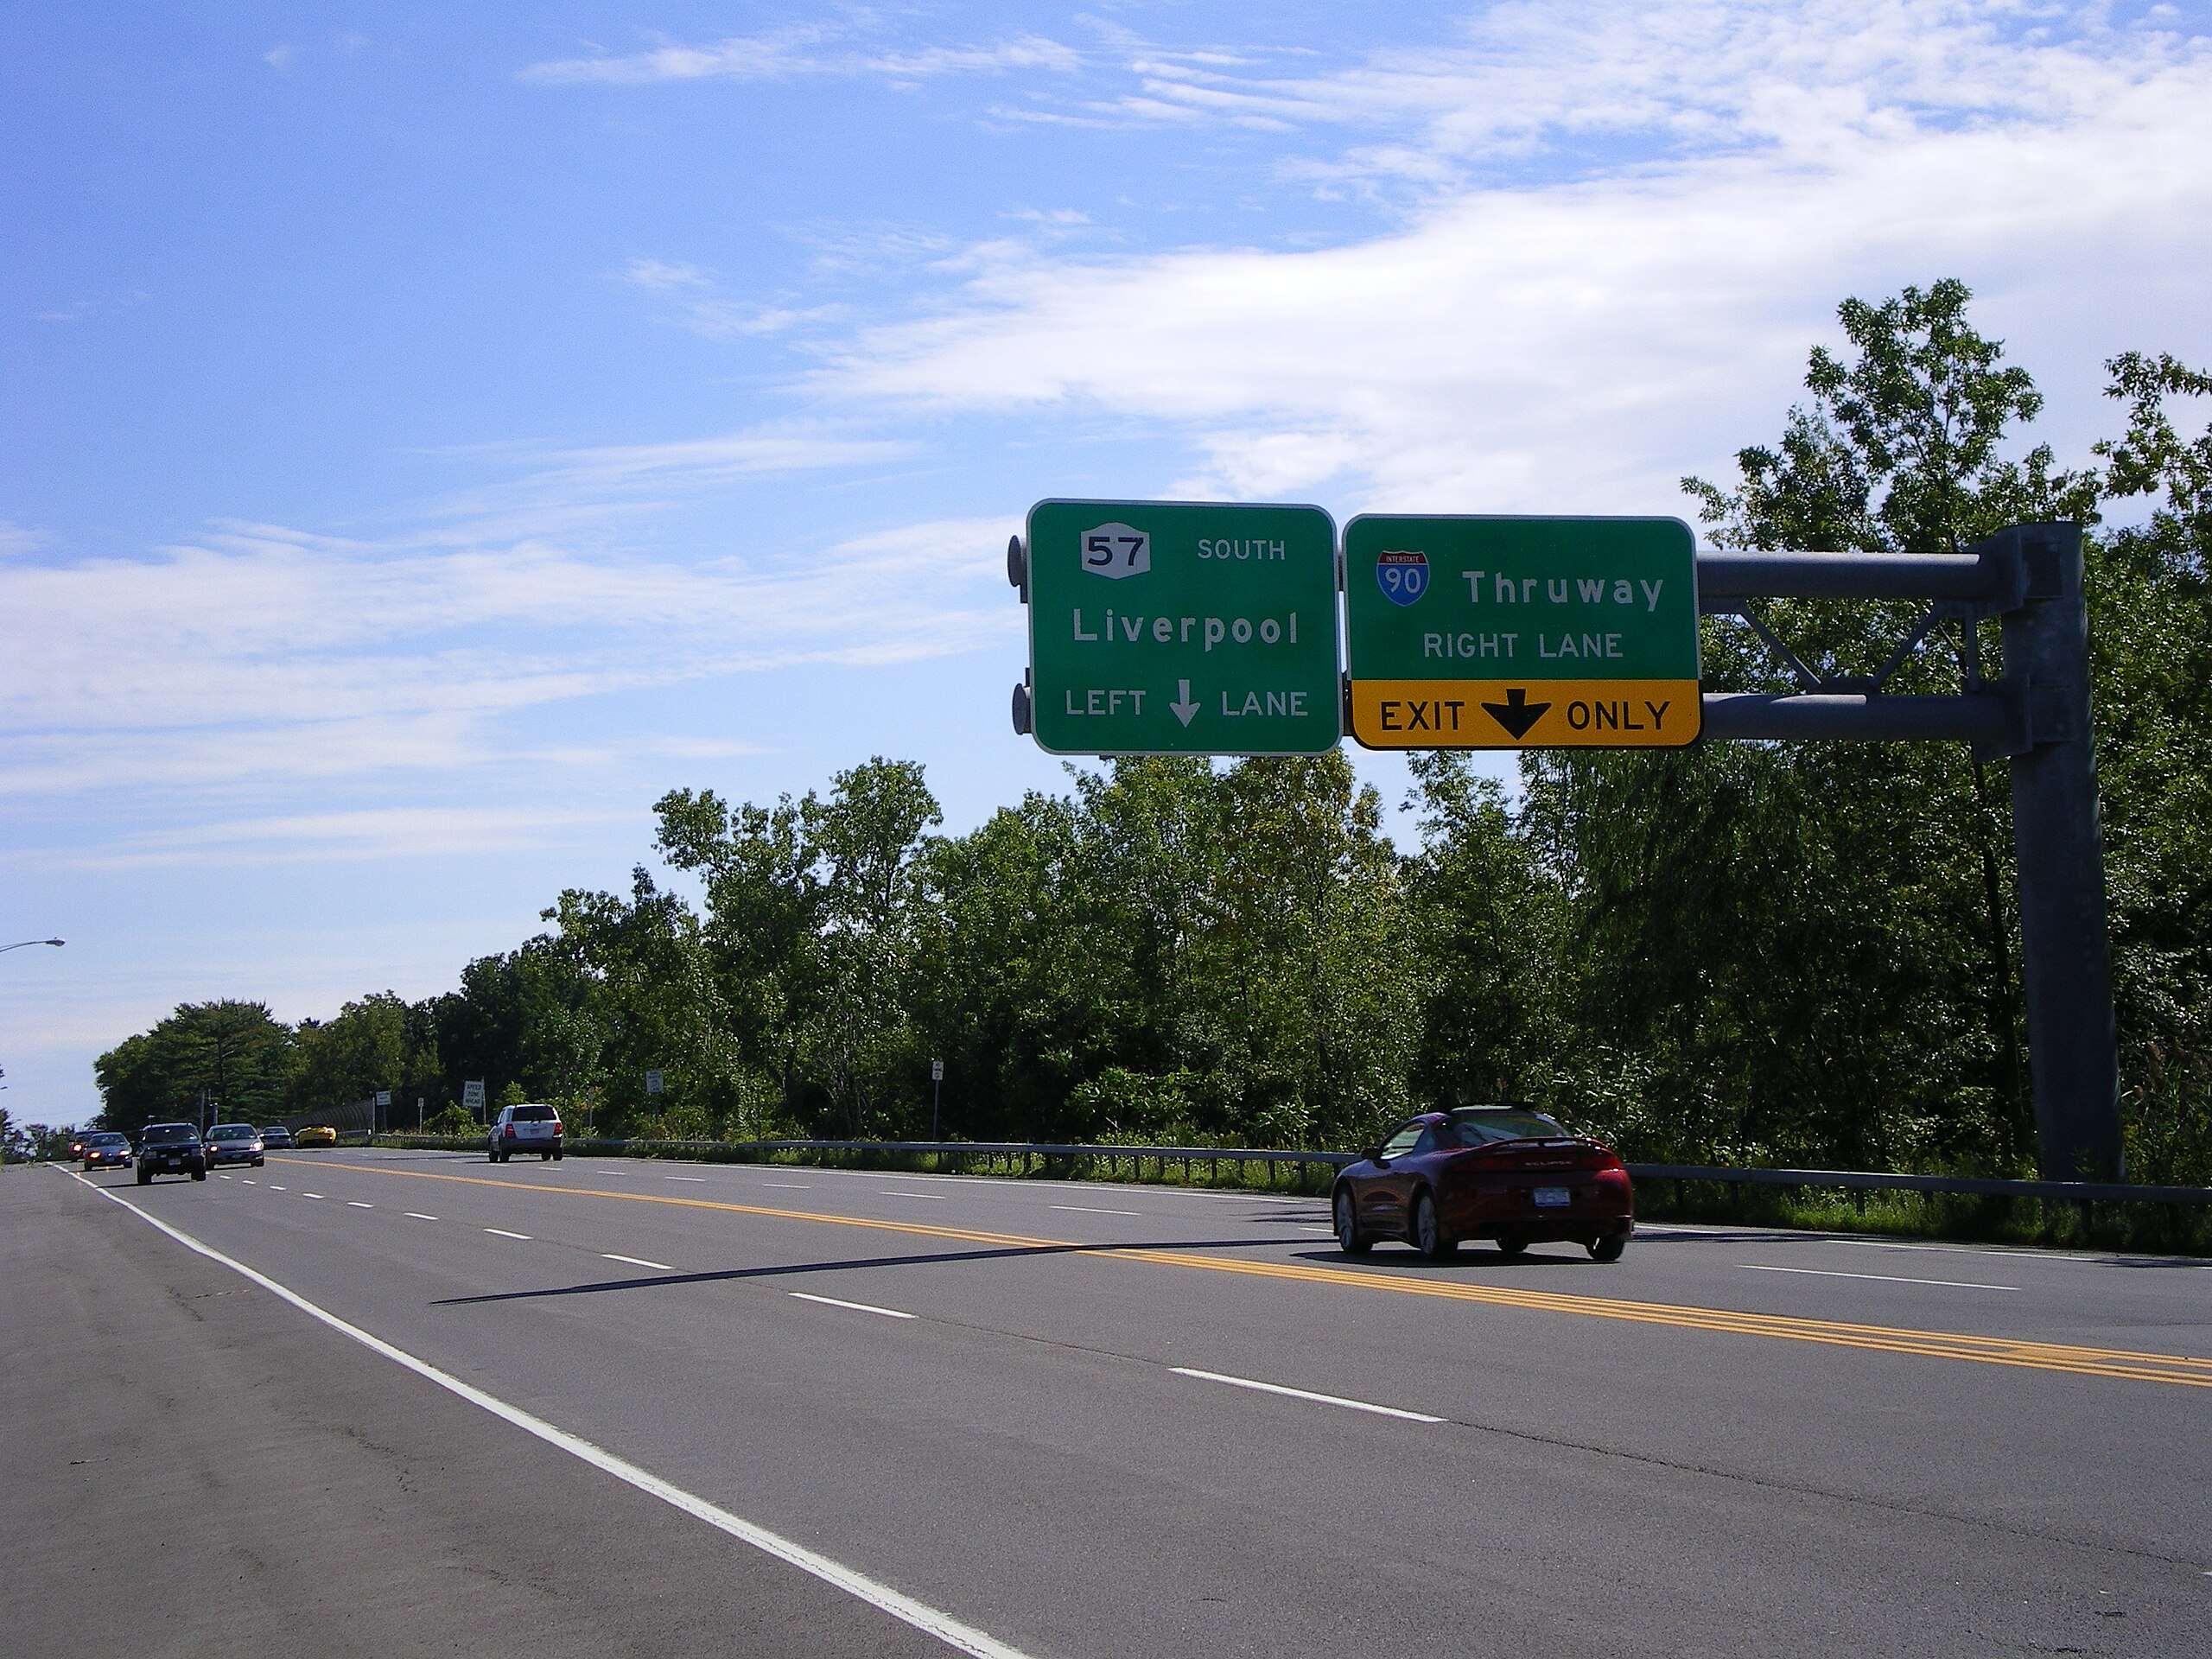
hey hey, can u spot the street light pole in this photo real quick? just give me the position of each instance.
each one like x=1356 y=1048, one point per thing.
x=19 y=943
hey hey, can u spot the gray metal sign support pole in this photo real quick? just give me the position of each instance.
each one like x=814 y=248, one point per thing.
x=2037 y=715
x=2065 y=942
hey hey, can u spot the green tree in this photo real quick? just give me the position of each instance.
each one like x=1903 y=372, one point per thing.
x=208 y=1061
x=2149 y=588
x=362 y=1052
x=1488 y=916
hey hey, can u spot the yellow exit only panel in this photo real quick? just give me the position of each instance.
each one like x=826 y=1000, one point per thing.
x=1530 y=713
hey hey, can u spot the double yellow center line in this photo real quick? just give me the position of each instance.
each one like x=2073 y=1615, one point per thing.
x=2184 y=1371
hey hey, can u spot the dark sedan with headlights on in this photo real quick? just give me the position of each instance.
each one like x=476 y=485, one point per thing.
x=1507 y=1173
x=105 y=1150
x=234 y=1143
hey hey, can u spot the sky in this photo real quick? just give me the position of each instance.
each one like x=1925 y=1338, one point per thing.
x=433 y=433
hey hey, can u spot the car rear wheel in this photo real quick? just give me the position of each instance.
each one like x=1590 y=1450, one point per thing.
x=145 y=1178
x=1509 y=1247
x=1607 y=1248
x=1350 y=1239
x=199 y=1175
x=1429 y=1236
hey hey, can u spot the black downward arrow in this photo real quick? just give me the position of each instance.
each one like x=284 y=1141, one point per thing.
x=1516 y=713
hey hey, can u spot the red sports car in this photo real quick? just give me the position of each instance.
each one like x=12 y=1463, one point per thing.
x=1501 y=1172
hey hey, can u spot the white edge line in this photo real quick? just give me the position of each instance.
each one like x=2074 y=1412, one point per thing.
x=1303 y=1394
x=857 y=1308
x=1883 y=1278
x=637 y=1261
x=504 y=1233
x=948 y=1629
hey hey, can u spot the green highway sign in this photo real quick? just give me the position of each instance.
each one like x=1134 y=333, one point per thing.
x=1468 y=632
x=1170 y=627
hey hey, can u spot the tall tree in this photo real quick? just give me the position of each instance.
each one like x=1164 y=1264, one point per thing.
x=207 y=1061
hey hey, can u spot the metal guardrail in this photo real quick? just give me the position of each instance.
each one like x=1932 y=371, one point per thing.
x=1848 y=1179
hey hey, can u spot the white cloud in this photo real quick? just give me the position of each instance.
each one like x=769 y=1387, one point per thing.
x=701 y=308
x=369 y=833
x=663 y=277
x=257 y=651
x=16 y=539
x=1577 y=335
x=812 y=49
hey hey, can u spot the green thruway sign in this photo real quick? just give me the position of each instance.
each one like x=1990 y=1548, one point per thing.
x=1469 y=632
x=1160 y=627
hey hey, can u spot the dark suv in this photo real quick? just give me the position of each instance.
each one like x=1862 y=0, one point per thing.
x=175 y=1147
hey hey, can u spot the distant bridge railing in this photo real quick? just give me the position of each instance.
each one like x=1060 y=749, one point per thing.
x=1042 y=1154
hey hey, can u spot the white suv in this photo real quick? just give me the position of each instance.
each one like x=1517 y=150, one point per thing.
x=524 y=1128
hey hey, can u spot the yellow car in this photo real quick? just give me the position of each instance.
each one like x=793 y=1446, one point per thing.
x=315 y=1135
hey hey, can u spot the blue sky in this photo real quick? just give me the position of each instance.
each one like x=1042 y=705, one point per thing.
x=433 y=433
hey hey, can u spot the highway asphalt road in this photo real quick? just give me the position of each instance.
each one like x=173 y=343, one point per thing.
x=1061 y=1421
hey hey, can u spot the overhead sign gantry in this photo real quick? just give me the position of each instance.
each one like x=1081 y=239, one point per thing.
x=1185 y=628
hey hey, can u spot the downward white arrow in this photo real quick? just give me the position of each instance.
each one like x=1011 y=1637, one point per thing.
x=1186 y=710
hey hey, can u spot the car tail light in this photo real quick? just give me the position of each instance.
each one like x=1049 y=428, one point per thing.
x=509 y=1131
x=554 y=1126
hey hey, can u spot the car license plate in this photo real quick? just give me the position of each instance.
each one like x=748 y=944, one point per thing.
x=1553 y=1198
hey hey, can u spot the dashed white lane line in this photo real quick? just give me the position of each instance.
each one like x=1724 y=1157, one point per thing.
x=1306 y=1394
x=504 y=1233
x=1975 y=1249
x=1885 y=1278
x=355 y=1204
x=637 y=1262
x=934 y=1198
x=700 y=1178
x=857 y=1308
x=796 y=1187
x=310 y=1195
x=417 y=1214
x=248 y=1179
x=273 y=1188
x=954 y=1634
x=1089 y=1210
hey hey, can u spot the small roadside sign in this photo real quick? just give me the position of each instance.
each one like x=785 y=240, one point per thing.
x=653 y=1083
x=1470 y=632
x=384 y=1097
x=1176 y=627
x=937 y=1070
x=472 y=1095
